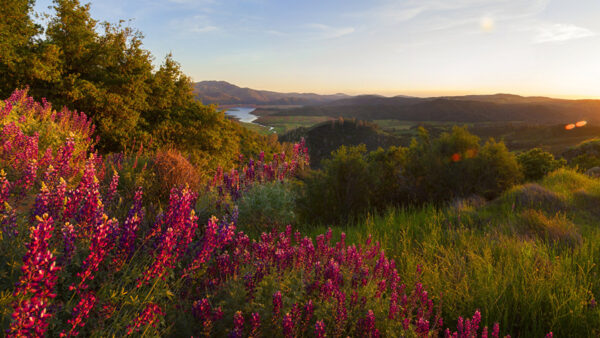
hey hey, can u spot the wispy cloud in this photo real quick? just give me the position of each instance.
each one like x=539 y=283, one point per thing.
x=560 y=32
x=275 y=32
x=460 y=11
x=324 y=32
x=197 y=24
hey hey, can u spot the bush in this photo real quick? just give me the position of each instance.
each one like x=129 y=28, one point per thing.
x=537 y=163
x=175 y=170
x=451 y=167
x=456 y=166
x=268 y=205
x=340 y=191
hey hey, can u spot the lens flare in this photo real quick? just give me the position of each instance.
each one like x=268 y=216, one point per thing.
x=455 y=157
x=570 y=126
x=580 y=123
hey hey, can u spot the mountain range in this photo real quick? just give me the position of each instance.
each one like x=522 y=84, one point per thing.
x=464 y=109
x=470 y=108
x=225 y=93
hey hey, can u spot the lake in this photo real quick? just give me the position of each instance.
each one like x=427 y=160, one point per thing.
x=244 y=114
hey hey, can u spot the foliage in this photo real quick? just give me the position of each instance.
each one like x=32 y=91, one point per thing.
x=340 y=191
x=103 y=70
x=585 y=155
x=265 y=206
x=77 y=260
x=537 y=163
x=482 y=256
x=455 y=165
x=447 y=168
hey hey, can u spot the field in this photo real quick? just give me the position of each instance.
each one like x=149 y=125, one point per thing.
x=283 y=124
x=519 y=259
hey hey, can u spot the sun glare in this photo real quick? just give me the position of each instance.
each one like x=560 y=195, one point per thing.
x=487 y=24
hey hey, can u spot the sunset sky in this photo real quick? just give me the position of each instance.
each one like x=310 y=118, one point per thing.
x=411 y=47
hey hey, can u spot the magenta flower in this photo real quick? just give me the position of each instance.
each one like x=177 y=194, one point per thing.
x=35 y=288
x=319 y=329
x=80 y=314
x=149 y=316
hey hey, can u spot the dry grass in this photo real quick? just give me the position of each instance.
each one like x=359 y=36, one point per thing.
x=556 y=229
x=533 y=195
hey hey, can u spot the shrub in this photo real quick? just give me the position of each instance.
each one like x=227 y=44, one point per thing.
x=174 y=170
x=585 y=155
x=340 y=191
x=455 y=166
x=265 y=206
x=537 y=163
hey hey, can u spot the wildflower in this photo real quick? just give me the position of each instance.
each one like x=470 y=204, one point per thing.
x=255 y=325
x=319 y=329
x=149 y=316
x=288 y=325
x=80 y=313
x=238 y=325
x=35 y=288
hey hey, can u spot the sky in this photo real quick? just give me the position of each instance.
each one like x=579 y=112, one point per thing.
x=387 y=47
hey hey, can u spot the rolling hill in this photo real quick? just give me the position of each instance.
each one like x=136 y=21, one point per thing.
x=225 y=93
x=464 y=109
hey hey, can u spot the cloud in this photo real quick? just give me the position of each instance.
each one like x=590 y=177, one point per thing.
x=459 y=11
x=197 y=24
x=324 y=32
x=275 y=32
x=560 y=32
x=193 y=2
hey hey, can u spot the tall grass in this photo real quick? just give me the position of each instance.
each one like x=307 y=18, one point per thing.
x=480 y=258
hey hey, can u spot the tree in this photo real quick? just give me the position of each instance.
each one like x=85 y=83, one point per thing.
x=24 y=58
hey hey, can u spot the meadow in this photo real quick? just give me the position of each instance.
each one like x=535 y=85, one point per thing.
x=128 y=208
x=89 y=248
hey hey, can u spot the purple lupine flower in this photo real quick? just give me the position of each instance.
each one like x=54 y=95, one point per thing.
x=238 y=325
x=149 y=316
x=35 y=288
x=319 y=329
x=112 y=188
x=288 y=325
x=99 y=247
x=80 y=314
x=128 y=231
x=255 y=325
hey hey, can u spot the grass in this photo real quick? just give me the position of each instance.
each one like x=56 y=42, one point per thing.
x=263 y=130
x=282 y=124
x=530 y=268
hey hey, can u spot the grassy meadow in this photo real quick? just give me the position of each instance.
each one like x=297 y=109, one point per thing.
x=527 y=259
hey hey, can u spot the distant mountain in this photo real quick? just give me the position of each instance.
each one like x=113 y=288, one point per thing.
x=471 y=108
x=225 y=93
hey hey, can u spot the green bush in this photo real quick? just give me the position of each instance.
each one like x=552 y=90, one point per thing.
x=340 y=191
x=537 y=163
x=453 y=166
x=266 y=206
x=456 y=166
